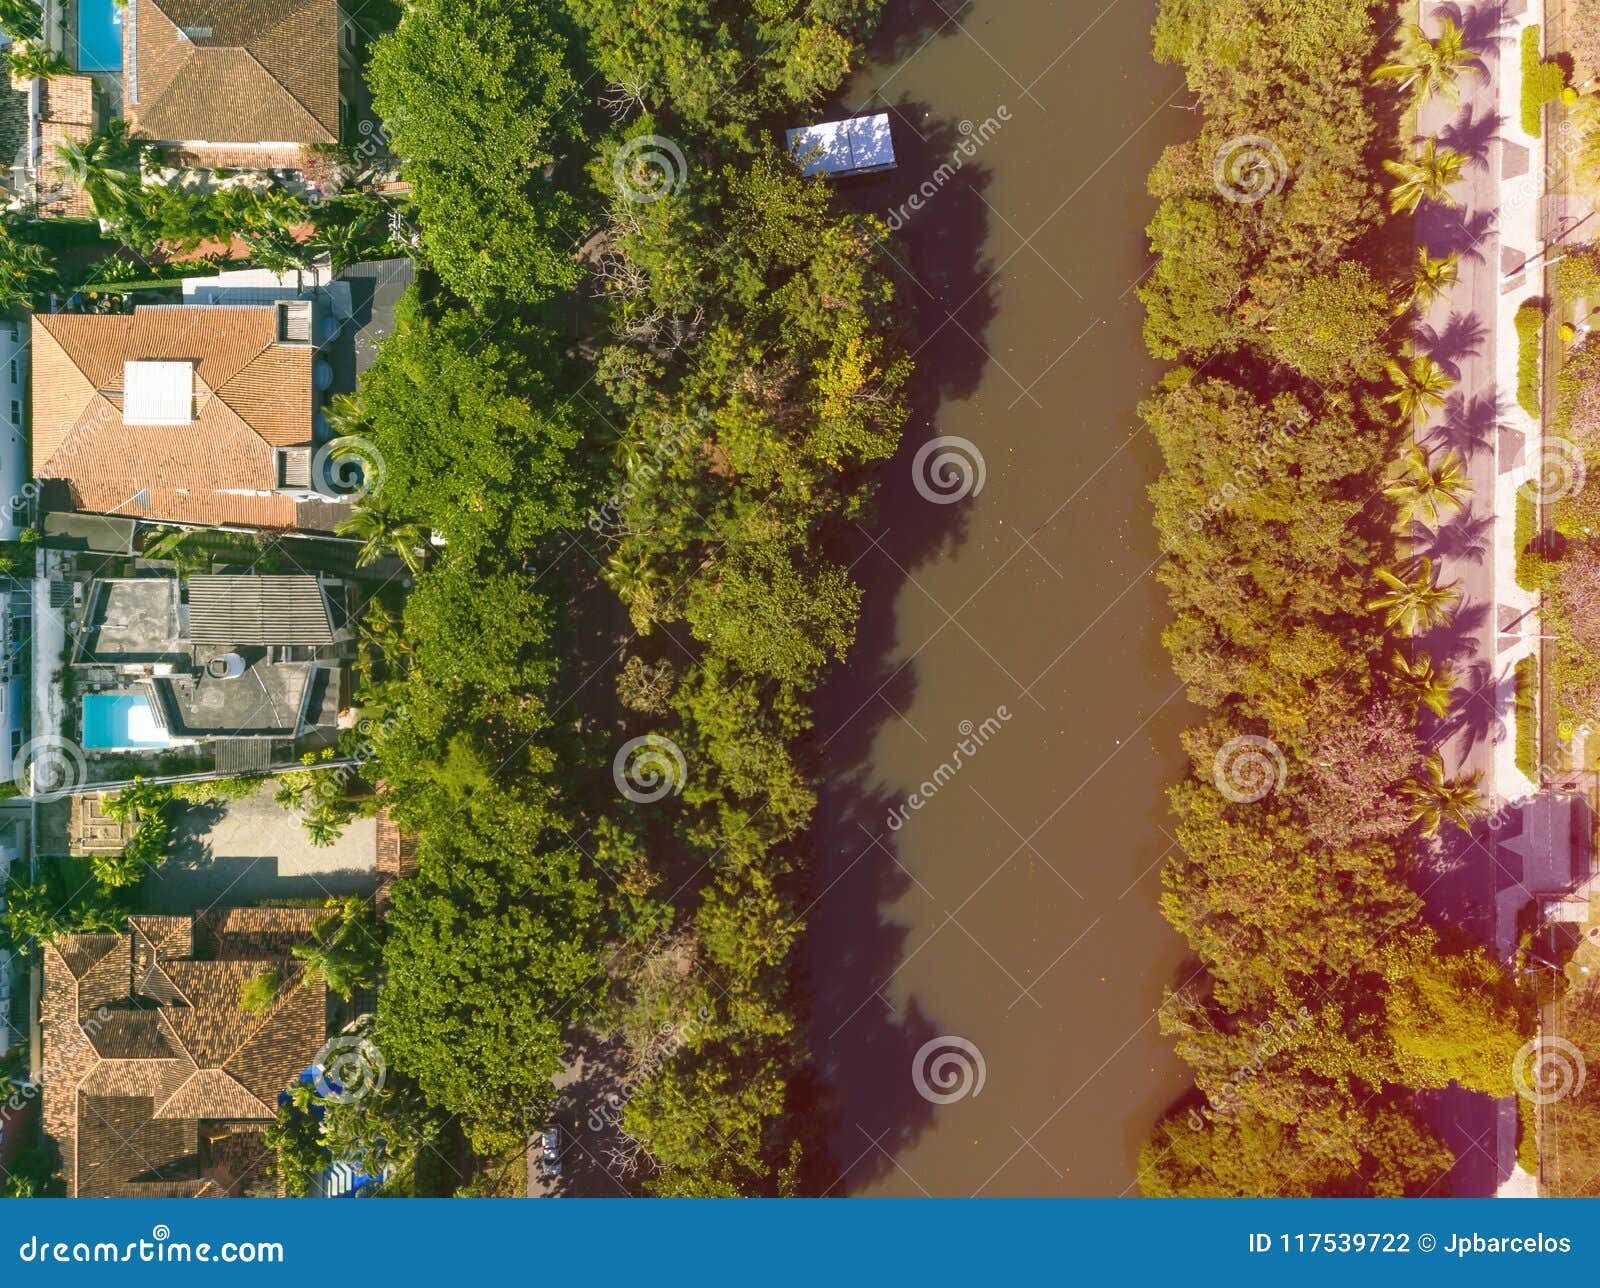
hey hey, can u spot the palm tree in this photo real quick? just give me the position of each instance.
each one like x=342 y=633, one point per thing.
x=1430 y=280
x=346 y=416
x=25 y=271
x=1428 y=67
x=1417 y=604
x=1432 y=685
x=344 y=243
x=1428 y=177
x=36 y=61
x=1427 y=491
x=343 y=951
x=106 y=167
x=1420 y=385
x=1435 y=800
x=379 y=639
x=321 y=830
x=21 y=19
x=373 y=521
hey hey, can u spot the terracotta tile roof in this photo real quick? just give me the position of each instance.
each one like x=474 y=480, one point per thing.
x=251 y=395
x=143 y=1089
x=66 y=115
x=68 y=100
x=233 y=71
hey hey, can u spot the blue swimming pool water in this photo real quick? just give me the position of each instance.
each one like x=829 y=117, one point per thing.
x=120 y=722
x=99 y=36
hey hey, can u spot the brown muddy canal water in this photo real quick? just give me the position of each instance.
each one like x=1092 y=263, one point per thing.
x=995 y=749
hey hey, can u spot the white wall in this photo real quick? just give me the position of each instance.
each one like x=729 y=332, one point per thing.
x=14 y=466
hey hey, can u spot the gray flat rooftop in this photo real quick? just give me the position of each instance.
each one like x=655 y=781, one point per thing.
x=268 y=700
x=101 y=533
x=133 y=621
x=376 y=288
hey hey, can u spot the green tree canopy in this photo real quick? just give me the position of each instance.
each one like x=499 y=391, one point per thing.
x=479 y=99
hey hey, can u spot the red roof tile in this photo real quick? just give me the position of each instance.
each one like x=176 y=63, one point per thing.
x=233 y=71
x=136 y=1082
x=251 y=395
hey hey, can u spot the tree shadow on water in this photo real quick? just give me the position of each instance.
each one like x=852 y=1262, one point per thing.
x=908 y=24
x=862 y=1100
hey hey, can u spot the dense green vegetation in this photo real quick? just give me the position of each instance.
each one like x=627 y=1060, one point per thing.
x=1568 y=566
x=1542 y=80
x=1321 y=998
x=1530 y=546
x=480 y=98
x=1527 y=716
x=1529 y=322
x=62 y=897
x=684 y=365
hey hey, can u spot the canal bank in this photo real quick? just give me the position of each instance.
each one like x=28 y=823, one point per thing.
x=985 y=950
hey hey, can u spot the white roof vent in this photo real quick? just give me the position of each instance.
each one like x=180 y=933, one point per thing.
x=158 y=393
x=225 y=666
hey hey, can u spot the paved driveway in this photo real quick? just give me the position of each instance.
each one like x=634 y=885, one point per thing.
x=234 y=854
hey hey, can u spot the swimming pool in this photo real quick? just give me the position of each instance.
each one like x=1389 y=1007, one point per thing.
x=99 y=36
x=120 y=722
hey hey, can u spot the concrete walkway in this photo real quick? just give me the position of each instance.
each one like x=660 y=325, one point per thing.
x=1480 y=880
x=1471 y=334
